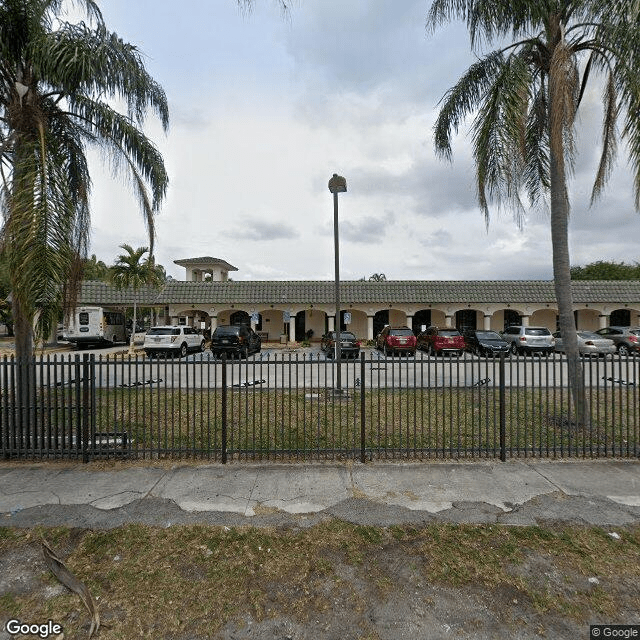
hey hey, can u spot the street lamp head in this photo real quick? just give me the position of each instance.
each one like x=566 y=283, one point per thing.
x=337 y=184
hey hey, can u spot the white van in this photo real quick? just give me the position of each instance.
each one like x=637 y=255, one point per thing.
x=95 y=325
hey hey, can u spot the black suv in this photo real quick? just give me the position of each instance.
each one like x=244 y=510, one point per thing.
x=235 y=339
x=485 y=343
x=349 y=345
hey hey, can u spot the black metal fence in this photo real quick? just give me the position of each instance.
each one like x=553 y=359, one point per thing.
x=285 y=407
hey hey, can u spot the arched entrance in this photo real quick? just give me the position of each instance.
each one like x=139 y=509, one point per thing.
x=421 y=319
x=240 y=317
x=380 y=320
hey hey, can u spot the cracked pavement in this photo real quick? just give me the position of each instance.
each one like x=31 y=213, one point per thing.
x=518 y=492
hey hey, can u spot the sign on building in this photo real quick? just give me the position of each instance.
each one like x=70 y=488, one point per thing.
x=347 y=317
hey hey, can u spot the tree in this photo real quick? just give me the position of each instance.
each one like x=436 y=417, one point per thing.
x=94 y=269
x=377 y=277
x=525 y=97
x=130 y=271
x=605 y=270
x=58 y=82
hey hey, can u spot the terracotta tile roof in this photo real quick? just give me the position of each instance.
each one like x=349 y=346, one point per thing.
x=101 y=293
x=395 y=291
x=358 y=292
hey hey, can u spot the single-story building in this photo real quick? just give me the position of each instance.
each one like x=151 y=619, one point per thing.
x=299 y=308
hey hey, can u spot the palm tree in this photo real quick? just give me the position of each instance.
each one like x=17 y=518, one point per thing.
x=58 y=82
x=377 y=277
x=131 y=272
x=525 y=96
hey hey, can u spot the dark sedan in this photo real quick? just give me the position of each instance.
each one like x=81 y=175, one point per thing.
x=485 y=343
x=349 y=345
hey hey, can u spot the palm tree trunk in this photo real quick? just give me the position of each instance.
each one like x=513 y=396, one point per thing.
x=132 y=339
x=561 y=260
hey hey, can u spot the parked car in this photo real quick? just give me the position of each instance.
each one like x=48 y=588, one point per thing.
x=529 y=339
x=235 y=339
x=485 y=343
x=172 y=340
x=349 y=344
x=396 y=340
x=626 y=339
x=443 y=341
x=589 y=344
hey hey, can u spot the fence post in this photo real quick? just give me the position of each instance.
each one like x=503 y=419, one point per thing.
x=362 y=410
x=86 y=400
x=224 y=408
x=503 y=418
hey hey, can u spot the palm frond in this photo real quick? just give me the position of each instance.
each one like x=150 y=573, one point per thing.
x=609 y=139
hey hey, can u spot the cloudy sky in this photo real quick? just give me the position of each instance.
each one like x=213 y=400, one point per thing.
x=265 y=108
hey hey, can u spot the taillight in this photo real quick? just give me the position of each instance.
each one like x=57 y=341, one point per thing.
x=523 y=338
x=633 y=339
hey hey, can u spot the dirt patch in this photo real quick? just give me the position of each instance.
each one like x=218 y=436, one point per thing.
x=332 y=581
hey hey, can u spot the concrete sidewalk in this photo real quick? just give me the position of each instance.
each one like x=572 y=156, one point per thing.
x=596 y=492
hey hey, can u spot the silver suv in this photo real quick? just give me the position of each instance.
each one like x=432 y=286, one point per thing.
x=172 y=340
x=529 y=339
x=627 y=339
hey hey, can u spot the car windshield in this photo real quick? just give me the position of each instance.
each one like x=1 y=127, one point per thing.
x=163 y=331
x=226 y=331
x=400 y=332
x=537 y=332
x=449 y=334
x=487 y=335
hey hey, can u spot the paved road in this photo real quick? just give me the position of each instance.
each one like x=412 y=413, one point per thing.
x=309 y=368
x=594 y=492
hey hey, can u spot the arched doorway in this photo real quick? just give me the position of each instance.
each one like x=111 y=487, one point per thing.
x=620 y=318
x=421 y=319
x=380 y=320
x=240 y=317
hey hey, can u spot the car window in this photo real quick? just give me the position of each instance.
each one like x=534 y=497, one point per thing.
x=588 y=335
x=537 y=332
x=487 y=335
x=635 y=332
x=449 y=333
x=226 y=331
x=401 y=332
x=163 y=331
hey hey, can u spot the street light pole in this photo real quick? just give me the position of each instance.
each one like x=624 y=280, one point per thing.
x=337 y=184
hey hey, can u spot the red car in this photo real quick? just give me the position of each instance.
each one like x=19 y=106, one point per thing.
x=396 y=340
x=441 y=341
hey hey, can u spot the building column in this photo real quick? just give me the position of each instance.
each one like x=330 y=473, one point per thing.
x=214 y=323
x=410 y=322
x=331 y=320
x=292 y=327
x=448 y=320
x=369 y=327
x=603 y=321
x=525 y=320
x=487 y=322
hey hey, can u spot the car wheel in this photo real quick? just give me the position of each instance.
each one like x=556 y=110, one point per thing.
x=183 y=350
x=514 y=349
x=623 y=350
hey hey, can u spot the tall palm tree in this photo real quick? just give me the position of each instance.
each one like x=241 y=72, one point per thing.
x=131 y=271
x=524 y=98
x=58 y=82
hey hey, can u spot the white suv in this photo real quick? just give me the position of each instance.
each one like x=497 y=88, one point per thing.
x=172 y=340
x=529 y=339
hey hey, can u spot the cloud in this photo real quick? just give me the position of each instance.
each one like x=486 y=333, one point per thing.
x=256 y=229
